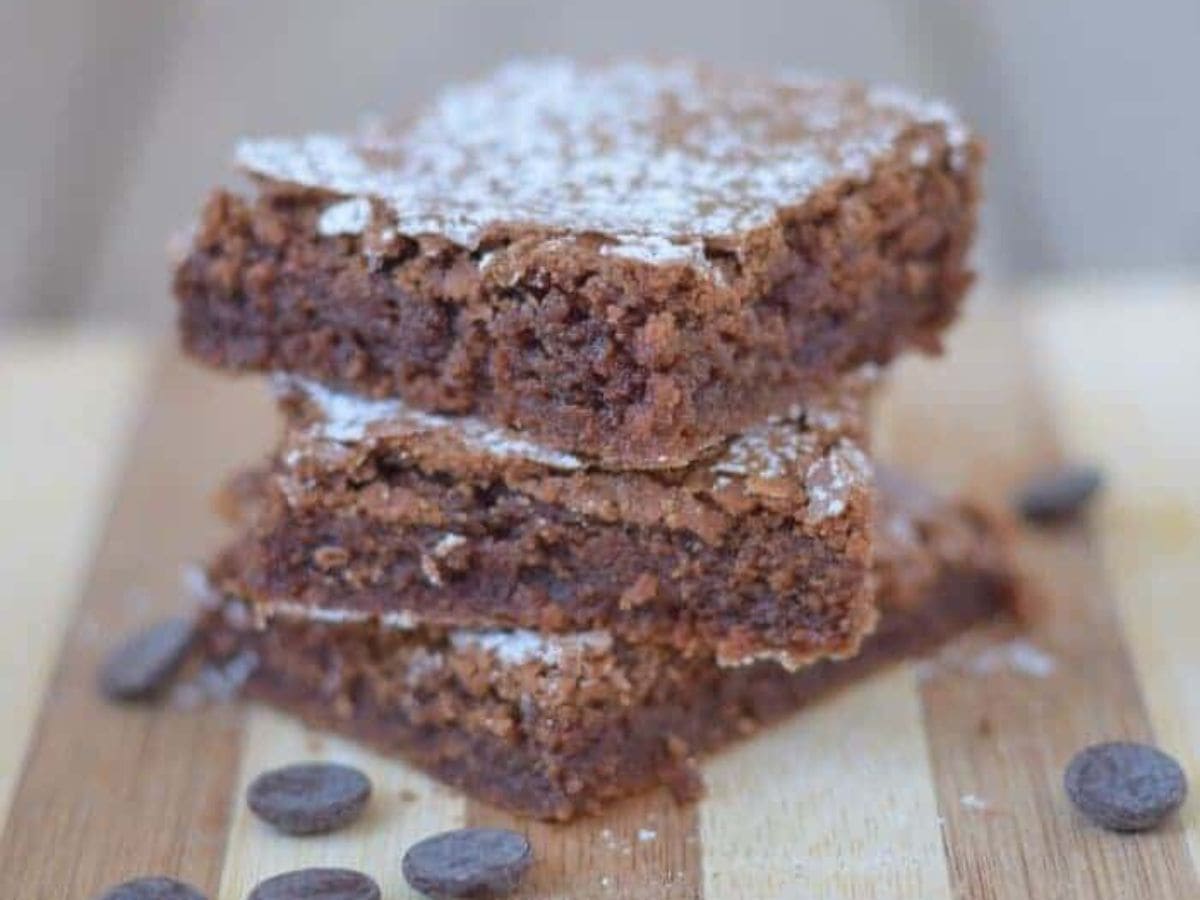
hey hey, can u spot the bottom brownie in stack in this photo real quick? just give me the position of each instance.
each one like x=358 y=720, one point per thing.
x=556 y=725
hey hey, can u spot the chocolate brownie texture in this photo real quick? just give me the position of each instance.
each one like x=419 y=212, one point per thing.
x=628 y=262
x=555 y=726
x=760 y=550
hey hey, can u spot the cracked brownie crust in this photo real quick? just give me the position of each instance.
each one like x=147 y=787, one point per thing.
x=760 y=550
x=555 y=726
x=629 y=263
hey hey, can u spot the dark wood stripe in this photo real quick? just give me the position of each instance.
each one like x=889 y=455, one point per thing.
x=108 y=793
x=612 y=855
x=1000 y=739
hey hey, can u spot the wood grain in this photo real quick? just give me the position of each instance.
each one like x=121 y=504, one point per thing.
x=836 y=803
x=931 y=780
x=110 y=792
x=1141 y=419
x=1001 y=735
x=65 y=408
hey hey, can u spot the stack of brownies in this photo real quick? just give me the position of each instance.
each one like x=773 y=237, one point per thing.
x=574 y=366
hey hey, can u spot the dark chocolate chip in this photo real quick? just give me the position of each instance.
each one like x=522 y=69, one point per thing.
x=317 y=884
x=144 y=663
x=1125 y=786
x=1058 y=495
x=152 y=889
x=310 y=798
x=469 y=862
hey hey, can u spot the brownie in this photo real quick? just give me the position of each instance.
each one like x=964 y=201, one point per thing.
x=759 y=550
x=628 y=262
x=554 y=726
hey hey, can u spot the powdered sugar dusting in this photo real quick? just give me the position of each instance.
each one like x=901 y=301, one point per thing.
x=642 y=153
x=198 y=586
x=431 y=561
x=1018 y=655
x=346 y=418
x=975 y=802
x=830 y=480
x=421 y=665
x=659 y=251
x=788 y=660
x=215 y=682
x=786 y=446
x=768 y=451
x=396 y=620
x=348 y=217
x=517 y=646
x=511 y=647
x=930 y=112
x=776 y=449
x=447 y=544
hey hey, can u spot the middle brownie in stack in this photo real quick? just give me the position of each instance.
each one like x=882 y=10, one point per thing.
x=759 y=550
x=579 y=358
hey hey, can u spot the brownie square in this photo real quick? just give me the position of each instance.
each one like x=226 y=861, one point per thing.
x=628 y=262
x=558 y=725
x=759 y=550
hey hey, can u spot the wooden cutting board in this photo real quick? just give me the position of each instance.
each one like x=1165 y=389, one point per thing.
x=938 y=778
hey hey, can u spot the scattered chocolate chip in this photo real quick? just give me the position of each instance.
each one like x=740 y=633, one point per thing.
x=317 y=884
x=1125 y=786
x=152 y=889
x=310 y=798
x=144 y=663
x=469 y=862
x=1059 y=494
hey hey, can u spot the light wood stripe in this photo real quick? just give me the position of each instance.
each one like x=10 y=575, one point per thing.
x=106 y=792
x=1142 y=422
x=647 y=846
x=65 y=410
x=835 y=803
x=405 y=807
x=1000 y=739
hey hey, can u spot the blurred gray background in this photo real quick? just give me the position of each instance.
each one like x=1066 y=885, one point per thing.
x=119 y=115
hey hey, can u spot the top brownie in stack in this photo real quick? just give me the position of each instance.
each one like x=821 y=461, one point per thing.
x=629 y=263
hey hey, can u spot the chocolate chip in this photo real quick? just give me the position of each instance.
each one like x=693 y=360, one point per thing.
x=310 y=798
x=317 y=884
x=1059 y=494
x=144 y=663
x=1125 y=786
x=469 y=862
x=152 y=889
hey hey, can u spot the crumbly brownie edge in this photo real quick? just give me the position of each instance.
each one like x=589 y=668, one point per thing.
x=650 y=363
x=617 y=749
x=775 y=592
